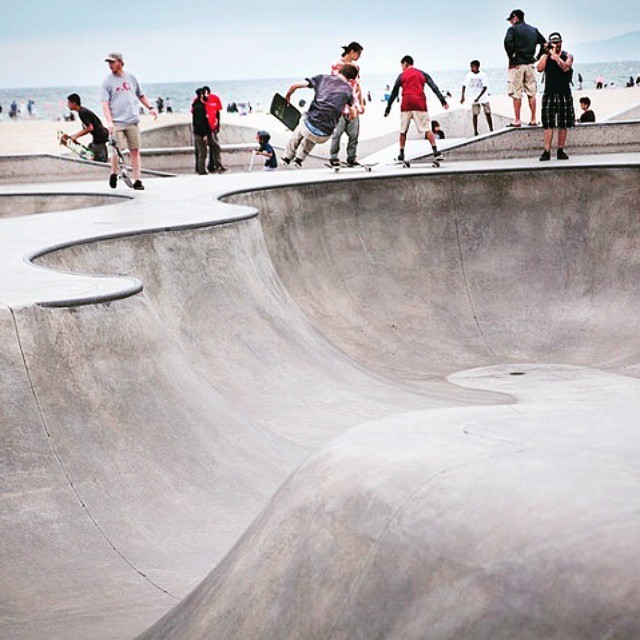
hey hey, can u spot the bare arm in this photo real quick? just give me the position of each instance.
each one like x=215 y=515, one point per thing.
x=106 y=110
x=146 y=103
x=295 y=87
x=87 y=129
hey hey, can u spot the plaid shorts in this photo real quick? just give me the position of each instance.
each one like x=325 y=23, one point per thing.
x=557 y=111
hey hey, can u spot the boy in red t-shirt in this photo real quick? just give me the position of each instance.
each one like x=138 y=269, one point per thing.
x=414 y=103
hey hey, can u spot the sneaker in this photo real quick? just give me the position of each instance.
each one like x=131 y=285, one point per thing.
x=297 y=163
x=222 y=169
x=436 y=153
x=285 y=161
x=352 y=162
x=546 y=155
x=562 y=155
x=334 y=163
x=138 y=186
x=401 y=155
x=113 y=180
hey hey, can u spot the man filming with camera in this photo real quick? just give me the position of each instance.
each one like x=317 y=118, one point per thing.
x=557 y=101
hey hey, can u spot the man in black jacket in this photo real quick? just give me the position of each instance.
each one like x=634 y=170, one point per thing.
x=520 y=44
x=201 y=131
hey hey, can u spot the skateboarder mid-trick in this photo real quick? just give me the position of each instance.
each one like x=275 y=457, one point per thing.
x=414 y=103
x=332 y=95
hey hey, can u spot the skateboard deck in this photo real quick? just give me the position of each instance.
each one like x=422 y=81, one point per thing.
x=344 y=166
x=75 y=147
x=285 y=112
x=436 y=162
x=122 y=165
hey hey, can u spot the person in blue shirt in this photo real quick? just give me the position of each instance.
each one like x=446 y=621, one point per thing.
x=266 y=150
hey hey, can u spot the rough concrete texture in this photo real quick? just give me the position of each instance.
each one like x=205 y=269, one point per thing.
x=368 y=330
x=586 y=139
x=22 y=204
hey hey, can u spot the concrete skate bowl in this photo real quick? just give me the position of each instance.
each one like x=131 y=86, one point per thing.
x=23 y=204
x=454 y=359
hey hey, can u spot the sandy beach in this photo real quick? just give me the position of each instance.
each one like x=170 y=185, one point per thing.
x=39 y=136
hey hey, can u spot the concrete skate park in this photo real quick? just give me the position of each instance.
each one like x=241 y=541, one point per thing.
x=301 y=404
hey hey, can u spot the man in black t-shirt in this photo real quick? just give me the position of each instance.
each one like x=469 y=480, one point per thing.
x=557 y=101
x=93 y=125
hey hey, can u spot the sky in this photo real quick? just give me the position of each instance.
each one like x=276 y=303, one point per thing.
x=54 y=42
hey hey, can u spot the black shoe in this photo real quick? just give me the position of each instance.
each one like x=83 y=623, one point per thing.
x=546 y=155
x=113 y=180
x=222 y=169
x=203 y=173
x=286 y=161
x=138 y=186
x=401 y=156
x=436 y=153
x=352 y=162
x=297 y=163
x=562 y=155
x=211 y=168
x=334 y=163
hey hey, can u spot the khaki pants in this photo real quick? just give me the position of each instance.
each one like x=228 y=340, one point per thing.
x=302 y=142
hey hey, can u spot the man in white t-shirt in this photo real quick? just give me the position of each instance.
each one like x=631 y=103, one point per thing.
x=476 y=85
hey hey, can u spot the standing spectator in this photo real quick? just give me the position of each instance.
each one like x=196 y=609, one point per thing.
x=168 y=104
x=92 y=125
x=557 y=102
x=580 y=81
x=13 y=110
x=599 y=82
x=414 y=103
x=201 y=131
x=120 y=95
x=214 y=109
x=159 y=105
x=477 y=84
x=351 y=126
x=587 y=114
x=520 y=43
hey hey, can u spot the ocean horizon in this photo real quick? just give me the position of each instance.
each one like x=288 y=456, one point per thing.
x=51 y=104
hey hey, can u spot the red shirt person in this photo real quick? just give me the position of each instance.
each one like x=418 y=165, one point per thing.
x=414 y=103
x=213 y=106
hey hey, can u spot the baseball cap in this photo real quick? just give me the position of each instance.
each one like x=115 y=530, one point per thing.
x=555 y=37
x=112 y=57
x=518 y=13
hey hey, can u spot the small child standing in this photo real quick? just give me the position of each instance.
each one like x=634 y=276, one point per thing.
x=266 y=150
x=587 y=114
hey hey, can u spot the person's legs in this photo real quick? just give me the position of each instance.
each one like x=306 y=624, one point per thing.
x=293 y=143
x=475 y=110
x=516 y=75
x=334 y=152
x=307 y=143
x=135 y=163
x=353 y=131
x=487 y=112
x=530 y=85
x=201 y=154
x=215 y=154
x=405 y=122
x=548 y=139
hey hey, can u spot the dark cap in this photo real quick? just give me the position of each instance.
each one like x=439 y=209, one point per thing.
x=516 y=13
x=555 y=37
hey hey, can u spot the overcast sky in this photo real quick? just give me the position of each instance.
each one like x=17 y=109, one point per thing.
x=54 y=42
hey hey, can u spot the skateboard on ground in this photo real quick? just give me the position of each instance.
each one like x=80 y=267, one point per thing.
x=435 y=163
x=343 y=165
x=122 y=165
x=285 y=112
x=75 y=147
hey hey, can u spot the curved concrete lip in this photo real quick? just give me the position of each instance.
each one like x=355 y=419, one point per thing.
x=179 y=203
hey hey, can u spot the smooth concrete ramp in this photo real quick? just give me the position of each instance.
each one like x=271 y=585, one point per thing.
x=527 y=142
x=383 y=405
